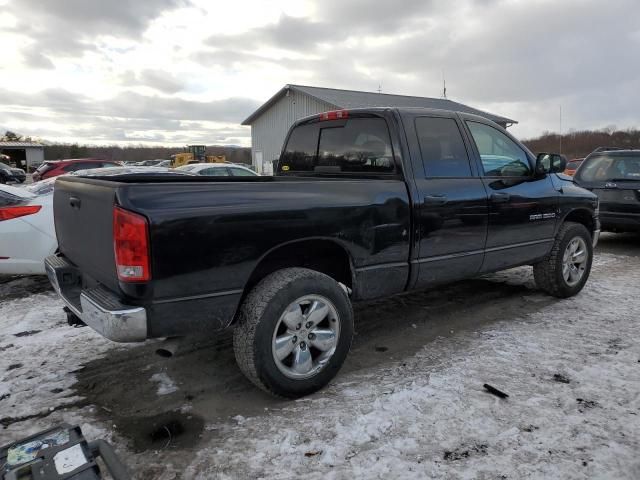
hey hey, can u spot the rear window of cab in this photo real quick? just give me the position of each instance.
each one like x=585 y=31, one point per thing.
x=356 y=145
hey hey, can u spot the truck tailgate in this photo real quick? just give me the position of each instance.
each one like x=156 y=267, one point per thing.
x=83 y=211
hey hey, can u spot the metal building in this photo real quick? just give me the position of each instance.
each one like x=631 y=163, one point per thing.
x=25 y=155
x=270 y=122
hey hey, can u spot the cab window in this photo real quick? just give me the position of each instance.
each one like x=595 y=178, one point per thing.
x=356 y=145
x=501 y=156
x=442 y=148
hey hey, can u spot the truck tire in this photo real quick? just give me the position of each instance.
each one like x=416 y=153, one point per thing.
x=566 y=269
x=294 y=332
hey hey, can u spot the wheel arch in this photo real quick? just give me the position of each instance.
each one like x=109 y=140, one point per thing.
x=324 y=255
x=582 y=216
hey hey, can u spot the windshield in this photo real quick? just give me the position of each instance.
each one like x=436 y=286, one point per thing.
x=186 y=168
x=605 y=168
x=4 y=165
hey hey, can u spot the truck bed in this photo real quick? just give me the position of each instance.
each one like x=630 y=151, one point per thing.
x=208 y=234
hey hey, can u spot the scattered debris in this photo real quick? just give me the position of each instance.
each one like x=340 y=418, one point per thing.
x=465 y=452
x=381 y=349
x=558 y=377
x=26 y=333
x=5 y=396
x=56 y=390
x=495 y=391
x=586 y=403
x=313 y=453
x=13 y=366
x=529 y=428
x=7 y=347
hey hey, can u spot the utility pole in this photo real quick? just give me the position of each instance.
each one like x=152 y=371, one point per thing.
x=379 y=88
x=560 y=130
x=444 y=86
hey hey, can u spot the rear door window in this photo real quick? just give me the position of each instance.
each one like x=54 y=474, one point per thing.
x=356 y=145
x=442 y=148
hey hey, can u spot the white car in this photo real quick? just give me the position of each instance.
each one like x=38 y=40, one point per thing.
x=27 y=232
x=218 y=170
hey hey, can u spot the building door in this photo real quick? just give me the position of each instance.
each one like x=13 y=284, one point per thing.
x=257 y=161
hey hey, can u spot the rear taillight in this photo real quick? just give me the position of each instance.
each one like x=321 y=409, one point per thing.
x=131 y=245
x=334 y=115
x=9 y=213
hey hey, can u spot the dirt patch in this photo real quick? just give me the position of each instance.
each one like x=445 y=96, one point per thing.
x=168 y=430
x=12 y=287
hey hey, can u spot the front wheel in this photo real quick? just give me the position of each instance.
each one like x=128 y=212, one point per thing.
x=564 y=272
x=294 y=332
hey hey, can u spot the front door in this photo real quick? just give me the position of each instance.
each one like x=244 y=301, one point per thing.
x=522 y=207
x=451 y=211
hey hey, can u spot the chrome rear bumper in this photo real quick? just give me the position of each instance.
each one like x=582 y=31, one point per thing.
x=97 y=307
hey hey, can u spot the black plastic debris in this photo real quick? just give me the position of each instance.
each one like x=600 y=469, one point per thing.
x=495 y=391
x=558 y=377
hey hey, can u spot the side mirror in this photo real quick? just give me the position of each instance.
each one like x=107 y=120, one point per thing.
x=550 y=163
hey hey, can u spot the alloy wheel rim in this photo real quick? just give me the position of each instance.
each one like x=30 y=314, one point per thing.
x=574 y=261
x=306 y=337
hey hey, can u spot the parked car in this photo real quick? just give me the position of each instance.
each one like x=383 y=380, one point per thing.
x=153 y=163
x=572 y=166
x=218 y=170
x=26 y=228
x=11 y=174
x=614 y=175
x=26 y=219
x=364 y=204
x=52 y=168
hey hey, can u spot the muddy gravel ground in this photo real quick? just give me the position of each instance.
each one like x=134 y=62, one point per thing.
x=178 y=417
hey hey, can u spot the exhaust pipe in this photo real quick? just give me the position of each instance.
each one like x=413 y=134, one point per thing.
x=169 y=347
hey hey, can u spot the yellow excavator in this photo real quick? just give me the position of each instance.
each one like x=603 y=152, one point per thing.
x=195 y=154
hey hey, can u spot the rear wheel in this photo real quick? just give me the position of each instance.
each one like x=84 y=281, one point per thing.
x=294 y=332
x=564 y=272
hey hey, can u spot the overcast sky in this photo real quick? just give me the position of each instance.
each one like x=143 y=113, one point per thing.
x=189 y=71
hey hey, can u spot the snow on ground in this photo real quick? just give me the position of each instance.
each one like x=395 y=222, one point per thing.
x=39 y=353
x=571 y=370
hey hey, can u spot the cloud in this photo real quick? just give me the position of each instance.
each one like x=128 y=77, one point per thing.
x=69 y=27
x=134 y=105
x=521 y=59
x=128 y=116
x=160 y=80
x=35 y=59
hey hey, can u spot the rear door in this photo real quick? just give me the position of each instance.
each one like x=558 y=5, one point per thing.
x=451 y=213
x=522 y=207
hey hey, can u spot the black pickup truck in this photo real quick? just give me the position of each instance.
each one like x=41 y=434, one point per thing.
x=365 y=204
